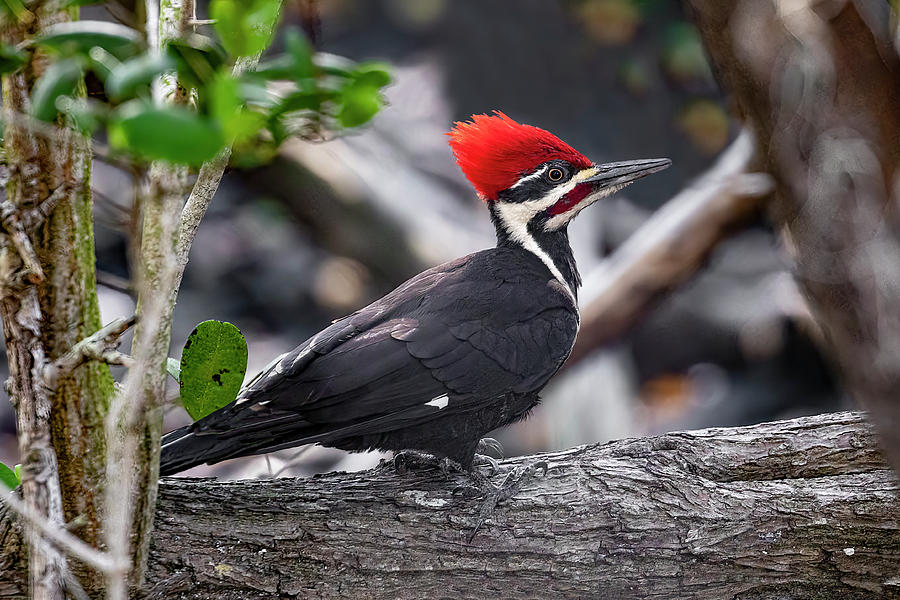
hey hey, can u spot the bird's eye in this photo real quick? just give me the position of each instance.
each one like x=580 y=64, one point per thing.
x=555 y=174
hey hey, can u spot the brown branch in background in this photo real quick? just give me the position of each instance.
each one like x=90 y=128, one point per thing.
x=818 y=81
x=671 y=246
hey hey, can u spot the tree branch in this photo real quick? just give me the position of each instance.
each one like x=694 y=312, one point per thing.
x=62 y=538
x=205 y=187
x=805 y=508
x=100 y=346
x=669 y=247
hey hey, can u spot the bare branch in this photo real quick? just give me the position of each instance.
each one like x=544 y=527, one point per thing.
x=100 y=346
x=206 y=185
x=32 y=218
x=670 y=247
x=71 y=544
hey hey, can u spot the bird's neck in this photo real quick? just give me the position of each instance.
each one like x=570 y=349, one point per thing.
x=551 y=247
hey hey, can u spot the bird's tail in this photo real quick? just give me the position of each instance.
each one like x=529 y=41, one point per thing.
x=183 y=449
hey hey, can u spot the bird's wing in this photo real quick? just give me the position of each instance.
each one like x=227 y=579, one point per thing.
x=379 y=371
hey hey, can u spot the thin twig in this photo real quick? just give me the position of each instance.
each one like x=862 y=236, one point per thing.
x=73 y=545
x=32 y=218
x=205 y=187
x=99 y=346
x=22 y=243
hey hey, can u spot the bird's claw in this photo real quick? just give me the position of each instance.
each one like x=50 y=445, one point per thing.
x=489 y=447
x=511 y=485
x=483 y=460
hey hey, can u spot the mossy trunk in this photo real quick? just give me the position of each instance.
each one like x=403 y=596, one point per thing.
x=64 y=245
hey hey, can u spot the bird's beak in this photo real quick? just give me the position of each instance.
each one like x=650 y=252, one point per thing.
x=618 y=174
x=597 y=182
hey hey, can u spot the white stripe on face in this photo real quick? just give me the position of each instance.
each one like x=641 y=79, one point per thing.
x=534 y=175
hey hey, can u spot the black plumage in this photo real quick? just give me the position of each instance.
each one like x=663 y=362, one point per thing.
x=448 y=356
x=453 y=353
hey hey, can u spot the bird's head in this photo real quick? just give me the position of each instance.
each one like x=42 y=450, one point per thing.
x=531 y=178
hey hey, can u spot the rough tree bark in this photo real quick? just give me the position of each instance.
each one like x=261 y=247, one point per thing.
x=49 y=202
x=805 y=508
x=818 y=81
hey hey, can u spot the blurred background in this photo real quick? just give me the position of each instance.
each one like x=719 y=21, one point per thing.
x=328 y=227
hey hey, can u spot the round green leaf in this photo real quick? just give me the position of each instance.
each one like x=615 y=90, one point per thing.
x=59 y=79
x=125 y=79
x=170 y=133
x=245 y=26
x=8 y=477
x=78 y=37
x=213 y=364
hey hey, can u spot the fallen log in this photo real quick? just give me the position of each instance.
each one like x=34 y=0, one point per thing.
x=805 y=508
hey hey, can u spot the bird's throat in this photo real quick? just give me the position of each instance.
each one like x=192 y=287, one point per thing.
x=551 y=247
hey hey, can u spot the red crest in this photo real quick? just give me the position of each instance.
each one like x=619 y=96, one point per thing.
x=494 y=151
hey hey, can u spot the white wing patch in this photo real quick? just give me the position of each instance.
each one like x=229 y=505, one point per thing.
x=439 y=402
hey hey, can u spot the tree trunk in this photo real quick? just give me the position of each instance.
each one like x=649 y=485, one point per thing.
x=818 y=83
x=59 y=307
x=795 y=509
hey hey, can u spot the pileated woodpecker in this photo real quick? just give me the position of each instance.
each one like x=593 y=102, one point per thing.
x=456 y=351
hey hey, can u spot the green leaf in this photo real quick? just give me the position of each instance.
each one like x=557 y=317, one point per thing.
x=332 y=64
x=60 y=79
x=245 y=26
x=8 y=477
x=360 y=103
x=280 y=67
x=257 y=94
x=17 y=9
x=170 y=133
x=213 y=364
x=125 y=80
x=197 y=59
x=374 y=74
x=300 y=52
x=11 y=58
x=78 y=37
x=173 y=367
x=305 y=101
x=227 y=105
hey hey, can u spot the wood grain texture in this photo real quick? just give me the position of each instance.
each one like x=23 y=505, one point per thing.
x=795 y=509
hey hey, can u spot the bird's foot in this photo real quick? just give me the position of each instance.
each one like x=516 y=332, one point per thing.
x=407 y=460
x=509 y=487
x=487 y=452
x=483 y=460
x=489 y=447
